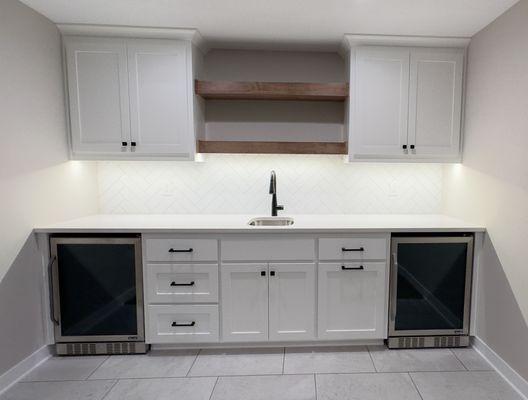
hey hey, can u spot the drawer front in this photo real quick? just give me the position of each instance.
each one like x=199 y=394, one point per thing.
x=182 y=283
x=268 y=249
x=352 y=248
x=174 y=250
x=182 y=323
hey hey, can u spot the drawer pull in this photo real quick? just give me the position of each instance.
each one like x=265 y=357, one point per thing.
x=345 y=268
x=349 y=249
x=189 y=250
x=182 y=284
x=175 y=324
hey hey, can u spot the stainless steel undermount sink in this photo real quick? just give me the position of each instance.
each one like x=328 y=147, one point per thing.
x=271 y=221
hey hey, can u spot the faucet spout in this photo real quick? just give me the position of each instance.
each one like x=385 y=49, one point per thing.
x=273 y=191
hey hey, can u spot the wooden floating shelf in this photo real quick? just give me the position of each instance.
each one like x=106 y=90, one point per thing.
x=251 y=147
x=230 y=90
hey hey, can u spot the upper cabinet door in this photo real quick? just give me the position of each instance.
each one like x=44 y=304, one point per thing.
x=435 y=102
x=160 y=86
x=98 y=94
x=380 y=102
x=292 y=301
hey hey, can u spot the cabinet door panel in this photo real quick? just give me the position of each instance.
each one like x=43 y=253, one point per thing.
x=435 y=102
x=381 y=102
x=98 y=94
x=292 y=301
x=160 y=96
x=352 y=302
x=244 y=302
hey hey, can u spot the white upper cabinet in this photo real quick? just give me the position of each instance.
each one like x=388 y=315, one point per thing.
x=405 y=103
x=130 y=98
x=160 y=87
x=435 y=102
x=380 y=101
x=98 y=94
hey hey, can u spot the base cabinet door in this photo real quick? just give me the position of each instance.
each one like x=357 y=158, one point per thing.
x=352 y=301
x=244 y=302
x=292 y=301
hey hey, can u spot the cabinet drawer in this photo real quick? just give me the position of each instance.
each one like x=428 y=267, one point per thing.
x=182 y=324
x=352 y=248
x=182 y=283
x=167 y=249
x=268 y=249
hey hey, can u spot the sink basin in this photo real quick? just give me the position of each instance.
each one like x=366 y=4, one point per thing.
x=271 y=221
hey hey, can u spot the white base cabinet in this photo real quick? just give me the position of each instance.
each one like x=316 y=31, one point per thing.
x=263 y=302
x=329 y=288
x=352 y=301
x=244 y=302
x=292 y=302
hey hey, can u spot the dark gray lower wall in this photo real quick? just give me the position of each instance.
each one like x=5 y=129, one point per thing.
x=21 y=324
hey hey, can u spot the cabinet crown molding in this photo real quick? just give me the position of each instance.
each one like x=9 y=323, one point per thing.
x=190 y=34
x=353 y=40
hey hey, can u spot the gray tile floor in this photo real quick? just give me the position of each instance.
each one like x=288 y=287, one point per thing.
x=304 y=373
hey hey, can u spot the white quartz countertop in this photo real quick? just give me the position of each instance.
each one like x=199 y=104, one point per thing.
x=239 y=223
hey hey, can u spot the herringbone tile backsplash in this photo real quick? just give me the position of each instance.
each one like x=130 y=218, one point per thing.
x=238 y=184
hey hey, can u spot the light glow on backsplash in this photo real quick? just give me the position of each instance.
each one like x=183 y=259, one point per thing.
x=239 y=184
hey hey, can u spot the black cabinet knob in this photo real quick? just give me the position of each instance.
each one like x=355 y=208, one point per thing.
x=133 y=144
x=412 y=146
x=272 y=273
x=124 y=144
x=262 y=273
x=404 y=147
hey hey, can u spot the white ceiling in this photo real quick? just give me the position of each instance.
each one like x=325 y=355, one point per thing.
x=283 y=23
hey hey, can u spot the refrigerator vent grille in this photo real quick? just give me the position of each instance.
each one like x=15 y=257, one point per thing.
x=417 y=342
x=81 y=349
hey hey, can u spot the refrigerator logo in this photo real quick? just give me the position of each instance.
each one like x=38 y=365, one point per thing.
x=132 y=337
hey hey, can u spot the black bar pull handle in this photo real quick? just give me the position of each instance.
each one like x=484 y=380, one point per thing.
x=352 y=249
x=345 y=268
x=182 y=284
x=174 y=324
x=189 y=250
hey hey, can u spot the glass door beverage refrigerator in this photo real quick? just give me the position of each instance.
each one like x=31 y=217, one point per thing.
x=430 y=290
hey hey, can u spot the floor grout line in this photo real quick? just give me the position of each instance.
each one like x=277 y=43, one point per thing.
x=315 y=384
x=99 y=366
x=194 y=361
x=459 y=360
x=372 y=359
x=254 y=375
x=214 y=387
x=109 y=390
x=283 y=359
x=414 y=384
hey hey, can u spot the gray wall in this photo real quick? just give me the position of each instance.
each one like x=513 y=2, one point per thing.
x=38 y=184
x=491 y=186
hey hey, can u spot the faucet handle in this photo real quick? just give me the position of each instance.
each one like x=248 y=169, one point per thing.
x=280 y=208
